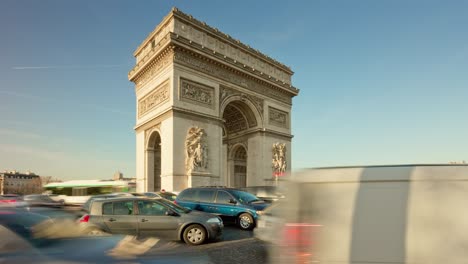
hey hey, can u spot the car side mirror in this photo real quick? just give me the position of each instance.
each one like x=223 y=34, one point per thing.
x=171 y=213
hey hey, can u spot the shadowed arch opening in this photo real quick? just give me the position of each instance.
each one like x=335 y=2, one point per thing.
x=239 y=118
x=153 y=153
x=239 y=166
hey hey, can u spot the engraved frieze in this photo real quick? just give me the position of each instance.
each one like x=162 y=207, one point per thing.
x=278 y=117
x=196 y=93
x=229 y=76
x=233 y=51
x=153 y=99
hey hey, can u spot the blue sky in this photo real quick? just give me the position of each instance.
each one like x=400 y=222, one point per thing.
x=382 y=82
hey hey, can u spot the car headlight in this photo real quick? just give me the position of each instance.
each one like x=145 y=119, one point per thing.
x=260 y=212
x=213 y=220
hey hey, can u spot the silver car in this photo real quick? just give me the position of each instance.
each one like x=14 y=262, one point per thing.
x=151 y=217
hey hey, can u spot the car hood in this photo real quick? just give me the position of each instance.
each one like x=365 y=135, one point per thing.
x=259 y=206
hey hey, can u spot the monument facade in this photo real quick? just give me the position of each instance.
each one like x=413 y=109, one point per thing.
x=210 y=110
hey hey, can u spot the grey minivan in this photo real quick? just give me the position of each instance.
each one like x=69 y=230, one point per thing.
x=151 y=216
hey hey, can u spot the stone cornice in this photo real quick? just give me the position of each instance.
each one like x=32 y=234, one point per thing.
x=235 y=42
x=200 y=34
x=177 y=110
x=152 y=59
x=232 y=62
x=218 y=69
x=159 y=28
x=175 y=45
x=256 y=131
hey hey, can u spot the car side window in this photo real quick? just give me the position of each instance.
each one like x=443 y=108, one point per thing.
x=206 y=196
x=107 y=209
x=187 y=195
x=123 y=208
x=223 y=197
x=151 y=208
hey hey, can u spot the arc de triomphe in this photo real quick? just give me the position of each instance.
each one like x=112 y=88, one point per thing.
x=210 y=110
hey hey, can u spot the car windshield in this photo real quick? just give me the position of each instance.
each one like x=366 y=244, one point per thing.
x=245 y=197
x=175 y=207
x=168 y=196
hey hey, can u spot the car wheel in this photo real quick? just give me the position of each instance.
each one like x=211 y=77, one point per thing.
x=246 y=221
x=194 y=235
x=95 y=232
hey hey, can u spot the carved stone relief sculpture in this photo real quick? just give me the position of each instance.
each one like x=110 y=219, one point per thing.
x=277 y=117
x=153 y=99
x=196 y=93
x=196 y=150
x=279 y=159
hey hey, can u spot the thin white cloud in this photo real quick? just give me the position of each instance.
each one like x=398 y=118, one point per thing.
x=18 y=133
x=68 y=67
x=26 y=151
x=51 y=100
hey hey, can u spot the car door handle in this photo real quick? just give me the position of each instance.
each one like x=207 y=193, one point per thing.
x=144 y=220
x=112 y=220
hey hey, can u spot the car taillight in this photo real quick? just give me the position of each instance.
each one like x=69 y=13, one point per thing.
x=84 y=219
x=299 y=240
x=7 y=201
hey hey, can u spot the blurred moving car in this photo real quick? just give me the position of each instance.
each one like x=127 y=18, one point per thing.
x=42 y=200
x=32 y=238
x=232 y=205
x=268 y=194
x=12 y=200
x=151 y=216
x=372 y=214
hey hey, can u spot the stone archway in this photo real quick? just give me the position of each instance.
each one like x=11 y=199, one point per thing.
x=153 y=157
x=239 y=119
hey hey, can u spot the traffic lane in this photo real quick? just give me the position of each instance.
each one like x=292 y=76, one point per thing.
x=231 y=233
x=248 y=250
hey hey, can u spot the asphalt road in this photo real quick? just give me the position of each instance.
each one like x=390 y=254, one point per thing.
x=236 y=246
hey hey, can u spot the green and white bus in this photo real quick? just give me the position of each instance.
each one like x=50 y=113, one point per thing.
x=77 y=192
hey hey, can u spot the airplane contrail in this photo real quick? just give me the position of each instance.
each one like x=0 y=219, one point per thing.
x=67 y=67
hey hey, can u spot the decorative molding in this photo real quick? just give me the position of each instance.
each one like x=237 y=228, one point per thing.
x=196 y=93
x=279 y=163
x=148 y=133
x=222 y=72
x=212 y=38
x=226 y=92
x=196 y=150
x=233 y=142
x=158 y=96
x=278 y=118
x=140 y=75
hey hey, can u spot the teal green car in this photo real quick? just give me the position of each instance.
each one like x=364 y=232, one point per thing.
x=232 y=205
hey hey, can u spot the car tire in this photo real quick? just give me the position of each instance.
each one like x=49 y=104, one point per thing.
x=246 y=221
x=194 y=235
x=94 y=232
